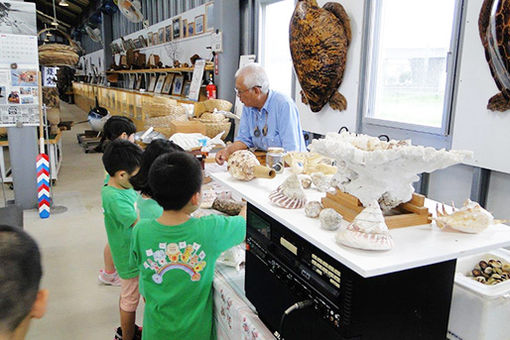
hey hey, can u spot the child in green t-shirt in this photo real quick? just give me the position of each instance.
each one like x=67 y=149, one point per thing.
x=121 y=160
x=147 y=207
x=176 y=253
x=117 y=127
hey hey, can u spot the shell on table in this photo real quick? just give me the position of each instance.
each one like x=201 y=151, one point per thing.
x=241 y=164
x=289 y=194
x=330 y=219
x=367 y=231
x=322 y=182
x=471 y=218
x=306 y=182
x=313 y=209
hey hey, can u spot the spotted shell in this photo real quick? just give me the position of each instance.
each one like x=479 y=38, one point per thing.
x=241 y=164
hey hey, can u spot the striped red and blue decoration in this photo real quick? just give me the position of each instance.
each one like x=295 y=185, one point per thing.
x=43 y=185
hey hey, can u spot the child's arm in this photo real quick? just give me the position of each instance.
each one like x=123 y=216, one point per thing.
x=243 y=211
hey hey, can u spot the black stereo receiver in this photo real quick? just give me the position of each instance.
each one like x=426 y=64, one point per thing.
x=282 y=269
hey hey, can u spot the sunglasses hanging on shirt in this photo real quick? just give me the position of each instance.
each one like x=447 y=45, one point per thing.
x=256 y=132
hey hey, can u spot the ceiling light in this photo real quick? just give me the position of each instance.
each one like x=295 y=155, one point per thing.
x=54 y=23
x=63 y=3
x=49 y=34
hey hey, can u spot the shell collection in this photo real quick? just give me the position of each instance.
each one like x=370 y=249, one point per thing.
x=375 y=170
x=471 y=218
x=330 y=219
x=490 y=272
x=289 y=194
x=367 y=231
x=313 y=209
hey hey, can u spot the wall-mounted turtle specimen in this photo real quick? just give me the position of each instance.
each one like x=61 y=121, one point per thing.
x=494 y=28
x=319 y=39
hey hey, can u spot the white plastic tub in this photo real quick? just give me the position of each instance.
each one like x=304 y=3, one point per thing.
x=479 y=311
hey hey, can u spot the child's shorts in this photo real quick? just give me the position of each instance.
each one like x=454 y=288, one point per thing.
x=129 y=294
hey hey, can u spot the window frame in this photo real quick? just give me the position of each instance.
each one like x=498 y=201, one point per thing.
x=438 y=136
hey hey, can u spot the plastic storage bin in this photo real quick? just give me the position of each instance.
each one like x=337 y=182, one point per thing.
x=479 y=311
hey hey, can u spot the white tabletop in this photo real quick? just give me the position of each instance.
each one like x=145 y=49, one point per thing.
x=413 y=246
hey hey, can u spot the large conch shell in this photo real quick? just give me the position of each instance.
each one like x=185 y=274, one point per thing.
x=289 y=194
x=471 y=218
x=245 y=166
x=367 y=231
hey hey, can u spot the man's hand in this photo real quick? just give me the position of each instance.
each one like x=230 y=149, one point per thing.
x=222 y=156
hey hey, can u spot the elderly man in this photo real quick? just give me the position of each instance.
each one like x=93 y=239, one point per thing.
x=270 y=119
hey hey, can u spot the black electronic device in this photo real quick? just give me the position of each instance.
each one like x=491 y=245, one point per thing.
x=282 y=268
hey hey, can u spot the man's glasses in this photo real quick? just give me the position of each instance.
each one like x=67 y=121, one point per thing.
x=239 y=93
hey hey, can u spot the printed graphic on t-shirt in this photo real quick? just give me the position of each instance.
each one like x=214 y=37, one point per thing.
x=185 y=257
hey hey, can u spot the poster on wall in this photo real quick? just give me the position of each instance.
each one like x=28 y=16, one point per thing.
x=196 y=80
x=17 y=17
x=50 y=76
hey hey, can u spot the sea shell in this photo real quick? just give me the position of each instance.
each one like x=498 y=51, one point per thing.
x=313 y=209
x=471 y=218
x=241 y=164
x=306 y=182
x=367 y=231
x=330 y=219
x=289 y=194
x=321 y=181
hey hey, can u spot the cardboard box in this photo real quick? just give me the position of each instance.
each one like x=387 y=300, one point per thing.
x=187 y=127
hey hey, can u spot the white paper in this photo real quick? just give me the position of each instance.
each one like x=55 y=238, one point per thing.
x=243 y=61
x=196 y=81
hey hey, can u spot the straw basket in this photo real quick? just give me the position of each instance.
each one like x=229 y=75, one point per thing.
x=58 y=54
x=214 y=127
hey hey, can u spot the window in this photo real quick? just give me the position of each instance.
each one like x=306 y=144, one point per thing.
x=411 y=64
x=274 y=50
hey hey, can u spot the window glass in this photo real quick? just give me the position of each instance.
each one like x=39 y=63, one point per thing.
x=409 y=62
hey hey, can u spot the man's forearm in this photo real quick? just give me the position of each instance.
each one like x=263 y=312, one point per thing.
x=237 y=145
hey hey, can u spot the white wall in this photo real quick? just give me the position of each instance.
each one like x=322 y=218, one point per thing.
x=329 y=120
x=476 y=128
x=452 y=184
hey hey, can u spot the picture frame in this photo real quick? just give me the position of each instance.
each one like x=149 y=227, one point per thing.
x=168 y=33
x=150 y=39
x=137 y=43
x=155 y=38
x=125 y=45
x=161 y=35
x=199 y=24
x=138 y=83
x=143 y=41
x=184 y=28
x=185 y=88
x=131 y=44
x=152 y=83
x=191 y=29
x=209 y=16
x=159 y=84
x=131 y=83
x=177 y=85
x=176 y=28
x=167 y=86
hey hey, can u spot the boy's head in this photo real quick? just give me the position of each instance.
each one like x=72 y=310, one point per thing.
x=122 y=159
x=155 y=149
x=175 y=180
x=119 y=127
x=20 y=274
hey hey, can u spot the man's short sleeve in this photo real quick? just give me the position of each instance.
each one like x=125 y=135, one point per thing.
x=244 y=135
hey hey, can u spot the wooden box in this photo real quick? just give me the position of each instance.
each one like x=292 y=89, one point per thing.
x=405 y=215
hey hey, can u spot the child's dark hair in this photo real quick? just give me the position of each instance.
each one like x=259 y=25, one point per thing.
x=114 y=127
x=20 y=274
x=174 y=178
x=156 y=148
x=121 y=155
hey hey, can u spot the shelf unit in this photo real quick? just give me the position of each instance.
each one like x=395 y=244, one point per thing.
x=161 y=70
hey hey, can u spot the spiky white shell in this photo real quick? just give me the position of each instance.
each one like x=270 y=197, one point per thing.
x=241 y=163
x=330 y=219
x=471 y=218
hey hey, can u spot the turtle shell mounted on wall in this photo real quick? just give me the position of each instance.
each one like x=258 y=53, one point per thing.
x=319 y=40
x=493 y=25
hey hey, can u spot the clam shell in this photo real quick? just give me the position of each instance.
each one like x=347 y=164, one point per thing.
x=330 y=219
x=352 y=236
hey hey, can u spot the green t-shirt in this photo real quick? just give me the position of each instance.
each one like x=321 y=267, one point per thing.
x=148 y=208
x=119 y=215
x=176 y=265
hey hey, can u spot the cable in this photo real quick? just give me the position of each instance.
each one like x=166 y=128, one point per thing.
x=298 y=305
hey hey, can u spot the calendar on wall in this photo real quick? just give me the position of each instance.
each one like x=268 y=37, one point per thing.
x=19 y=65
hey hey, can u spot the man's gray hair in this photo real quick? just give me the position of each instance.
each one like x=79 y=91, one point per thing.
x=254 y=75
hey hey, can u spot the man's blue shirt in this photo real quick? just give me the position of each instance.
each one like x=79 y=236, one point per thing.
x=283 y=125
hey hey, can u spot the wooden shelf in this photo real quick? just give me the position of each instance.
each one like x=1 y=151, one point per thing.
x=161 y=70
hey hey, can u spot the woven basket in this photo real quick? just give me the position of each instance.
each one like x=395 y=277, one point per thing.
x=58 y=54
x=212 y=128
x=162 y=122
x=218 y=104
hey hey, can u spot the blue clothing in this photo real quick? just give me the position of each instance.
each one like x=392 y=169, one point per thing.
x=283 y=125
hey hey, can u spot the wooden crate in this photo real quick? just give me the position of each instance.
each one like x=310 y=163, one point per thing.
x=405 y=215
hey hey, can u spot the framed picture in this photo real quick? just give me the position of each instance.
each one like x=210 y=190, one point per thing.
x=138 y=43
x=131 y=84
x=167 y=86
x=152 y=84
x=159 y=84
x=125 y=44
x=176 y=28
x=131 y=44
x=209 y=16
x=168 y=33
x=138 y=83
x=142 y=41
x=199 y=24
x=184 y=28
x=191 y=29
x=177 y=86
x=150 y=40
x=161 y=35
x=155 y=38
x=185 y=88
